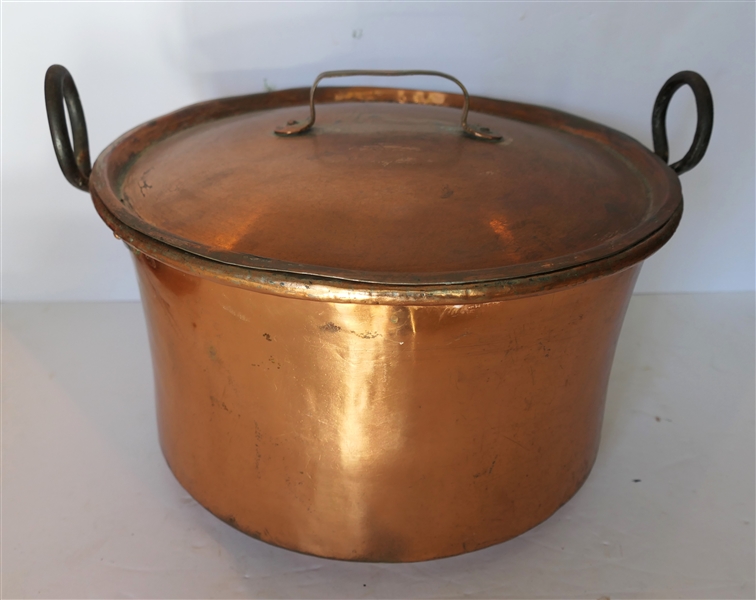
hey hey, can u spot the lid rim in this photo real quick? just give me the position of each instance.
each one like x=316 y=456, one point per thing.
x=317 y=288
x=400 y=280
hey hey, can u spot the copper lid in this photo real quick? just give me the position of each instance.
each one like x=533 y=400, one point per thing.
x=385 y=188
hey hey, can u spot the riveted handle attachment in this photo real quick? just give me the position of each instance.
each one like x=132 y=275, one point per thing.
x=74 y=162
x=705 y=108
x=296 y=128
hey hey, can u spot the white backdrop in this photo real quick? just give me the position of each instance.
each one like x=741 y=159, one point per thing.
x=603 y=61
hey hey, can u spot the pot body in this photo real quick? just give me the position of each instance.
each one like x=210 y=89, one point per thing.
x=380 y=432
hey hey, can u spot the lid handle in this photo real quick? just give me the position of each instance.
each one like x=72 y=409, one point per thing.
x=74 y=162
x=295 y=128
x=705 y=108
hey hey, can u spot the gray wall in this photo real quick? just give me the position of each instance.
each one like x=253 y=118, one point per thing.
x=604 y=61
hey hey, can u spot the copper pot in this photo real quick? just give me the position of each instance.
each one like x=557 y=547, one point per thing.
x=375 y=338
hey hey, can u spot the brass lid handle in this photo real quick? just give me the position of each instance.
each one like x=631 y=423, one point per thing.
x=295 y=128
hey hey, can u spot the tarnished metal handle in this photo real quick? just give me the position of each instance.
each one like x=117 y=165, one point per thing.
x=295 y=127
x=705 y=108
x=74 y=162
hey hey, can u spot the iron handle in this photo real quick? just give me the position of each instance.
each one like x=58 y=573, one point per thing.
x=705 y=108
x=295 y=128
x=74 y=162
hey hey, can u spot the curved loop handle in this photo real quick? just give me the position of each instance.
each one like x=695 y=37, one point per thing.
x=705 y=108
x=74 y=162
x=295 y=128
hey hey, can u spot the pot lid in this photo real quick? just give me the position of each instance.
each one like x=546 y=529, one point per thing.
x=384 y=188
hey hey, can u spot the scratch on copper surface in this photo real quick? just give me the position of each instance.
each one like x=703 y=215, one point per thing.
x=398 y=161
x=412 y=320
x=237 y=314
x=493 y=464
x=367 y=335
x=393 y=147
x=459 y=309
x=509 y=439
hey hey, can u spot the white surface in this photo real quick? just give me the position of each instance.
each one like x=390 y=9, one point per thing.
x=91 y=510
x=602 y=60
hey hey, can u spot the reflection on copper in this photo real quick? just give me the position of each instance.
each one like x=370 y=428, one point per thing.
x=501 y=229
x=380 y=432
x=365 y=374
x=230 y=237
